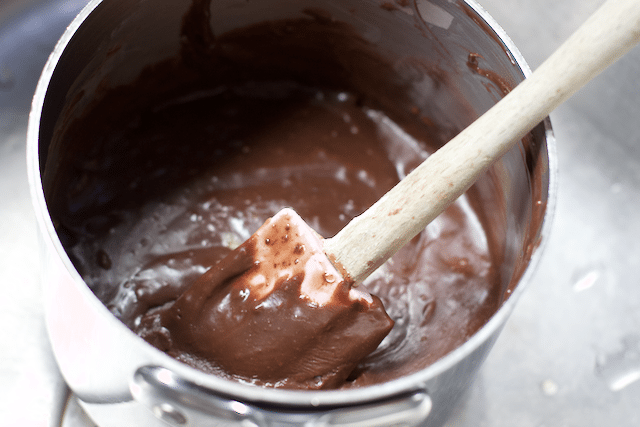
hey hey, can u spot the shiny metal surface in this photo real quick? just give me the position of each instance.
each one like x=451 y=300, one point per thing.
x=569 y=355
x=32 y=391
x=176 y=401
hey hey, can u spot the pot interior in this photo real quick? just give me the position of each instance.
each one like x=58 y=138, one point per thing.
x=431 y=67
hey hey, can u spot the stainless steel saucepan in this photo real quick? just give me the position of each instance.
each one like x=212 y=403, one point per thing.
x=122 y=380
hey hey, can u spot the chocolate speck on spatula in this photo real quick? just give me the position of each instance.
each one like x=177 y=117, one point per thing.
x=284 y=309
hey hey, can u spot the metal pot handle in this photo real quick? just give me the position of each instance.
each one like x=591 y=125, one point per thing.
x=182 y=403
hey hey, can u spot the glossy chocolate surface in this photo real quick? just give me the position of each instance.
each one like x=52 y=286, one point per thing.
x=190 y=160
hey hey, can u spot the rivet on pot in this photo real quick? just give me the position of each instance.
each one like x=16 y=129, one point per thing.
x=168 y=413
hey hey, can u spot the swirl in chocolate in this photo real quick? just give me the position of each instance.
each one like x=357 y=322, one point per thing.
x=274 y=312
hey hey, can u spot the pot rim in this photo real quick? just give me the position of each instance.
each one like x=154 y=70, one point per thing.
x=246 y=392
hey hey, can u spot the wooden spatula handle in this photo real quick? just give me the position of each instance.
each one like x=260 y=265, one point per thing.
x=371 y=238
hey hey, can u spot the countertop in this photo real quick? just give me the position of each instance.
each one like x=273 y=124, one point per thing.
x=570 y=353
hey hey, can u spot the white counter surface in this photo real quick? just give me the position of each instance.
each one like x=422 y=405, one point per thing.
x=570 y=353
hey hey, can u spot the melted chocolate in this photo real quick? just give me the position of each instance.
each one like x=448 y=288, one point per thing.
x=274 y=312
x=187 y=163
x=473 y=63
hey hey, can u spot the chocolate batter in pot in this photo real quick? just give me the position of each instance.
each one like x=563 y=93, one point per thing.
x=185 y=164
